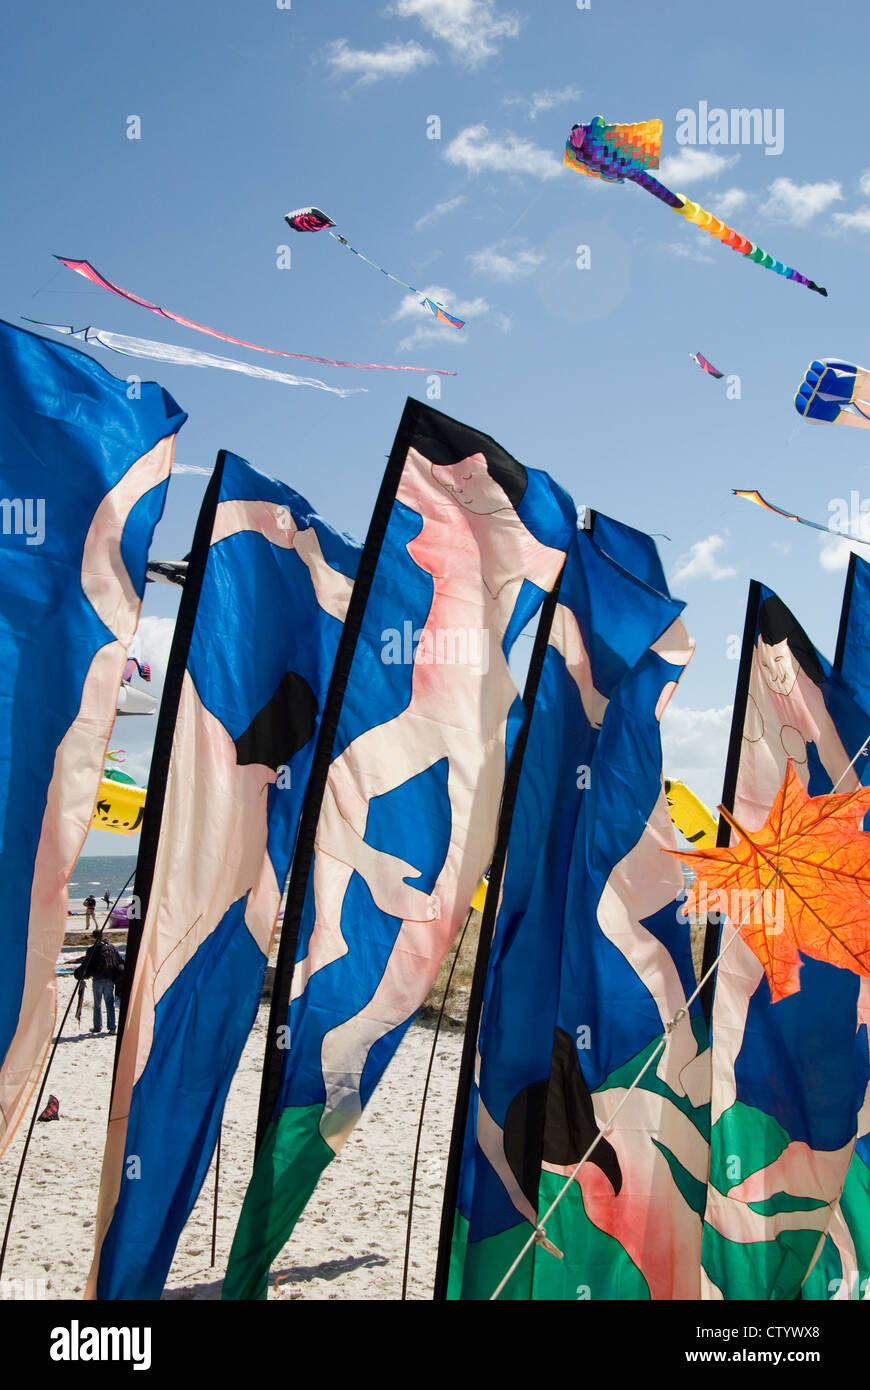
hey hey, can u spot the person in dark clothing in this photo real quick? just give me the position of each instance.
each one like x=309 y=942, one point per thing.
x=90 y=906
x=102 y=965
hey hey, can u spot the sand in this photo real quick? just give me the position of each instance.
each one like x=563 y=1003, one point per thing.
x=349 y=1243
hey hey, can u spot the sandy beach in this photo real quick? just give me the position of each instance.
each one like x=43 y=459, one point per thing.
x=349 y=1243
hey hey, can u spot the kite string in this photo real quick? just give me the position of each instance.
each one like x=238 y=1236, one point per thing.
x=343 y=241
x=538 y=1235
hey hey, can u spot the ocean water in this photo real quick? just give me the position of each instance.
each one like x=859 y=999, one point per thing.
x=97 y=872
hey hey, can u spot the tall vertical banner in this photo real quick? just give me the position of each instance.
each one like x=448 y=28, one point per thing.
x=84 y=463
x=590 y=963
x=262 y=611
x=842 y=1270
x=790 y=1076
x=403 y=798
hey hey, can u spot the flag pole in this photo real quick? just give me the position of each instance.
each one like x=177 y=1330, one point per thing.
x=487 y=927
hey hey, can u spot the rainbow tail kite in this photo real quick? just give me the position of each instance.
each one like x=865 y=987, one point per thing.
x=313 y=220
x=618 y=152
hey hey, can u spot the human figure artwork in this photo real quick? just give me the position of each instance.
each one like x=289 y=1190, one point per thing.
x=250 y=702
x=478 y=553
x=467 y=544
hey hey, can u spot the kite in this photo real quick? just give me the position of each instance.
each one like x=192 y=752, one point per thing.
x=751 y=495
x=705 y=365
x=689 y=814
x=187 y=357
x=834 y=393
x=313 y=220
x=618 y=152
x=90 y=273
x=812 y=851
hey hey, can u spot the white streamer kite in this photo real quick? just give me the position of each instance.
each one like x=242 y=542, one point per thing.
x=188 y=357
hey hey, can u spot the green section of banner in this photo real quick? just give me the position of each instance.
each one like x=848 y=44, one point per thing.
x=594 y=1265
x=763 y=1269
x=291 y=1159
x=478 y=1267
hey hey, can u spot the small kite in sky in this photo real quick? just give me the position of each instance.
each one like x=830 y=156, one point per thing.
x=834 y=393
x=313 y=220
x=750 y=495
x=187 y=357
x=90 y=273
x=618 y=152
x=705 y=365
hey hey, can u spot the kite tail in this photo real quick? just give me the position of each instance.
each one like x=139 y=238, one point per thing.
x=693 y=212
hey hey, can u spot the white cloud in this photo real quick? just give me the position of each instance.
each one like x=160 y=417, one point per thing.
x=370 y=65
x=440 y=210
x=730 y=201
x=544 y=101
x=691 y=164
x=428 y=329
x=798 y=202
x=858 y=221
x=695 y=747
x=178 y=468
x=502 y=265
x=835 y=552
x=155 y=640
x=470 y=27
x=864 y=183
x=476 y=150
x=689 y=250
x=700 y=562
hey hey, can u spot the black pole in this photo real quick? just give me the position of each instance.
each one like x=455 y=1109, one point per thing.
x=164 y=736
x=729 y=785
x=423 y=1101
x=303 y=854
x=843 y=631
x=487 y=927
x=217 y=1179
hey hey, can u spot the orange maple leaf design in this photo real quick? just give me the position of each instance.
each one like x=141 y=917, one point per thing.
x=811 y=851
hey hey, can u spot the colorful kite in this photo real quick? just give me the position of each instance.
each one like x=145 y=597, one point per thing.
x=313 y=220
x=834 y=393
x=187 y=357
x=88 y=468
x=87 y=270
x=751 y=495
x=705 y=365
x=618 y=152
x=789 y=1042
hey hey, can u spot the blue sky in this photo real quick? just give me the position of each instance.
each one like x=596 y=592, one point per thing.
x=249 y=110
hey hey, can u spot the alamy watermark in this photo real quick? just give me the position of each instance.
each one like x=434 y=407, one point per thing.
x=23 y=516
x=439 y=646
x=740 y=126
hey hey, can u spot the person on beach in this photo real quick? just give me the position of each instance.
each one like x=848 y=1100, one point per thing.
x=102 y=964
x=90 y=906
